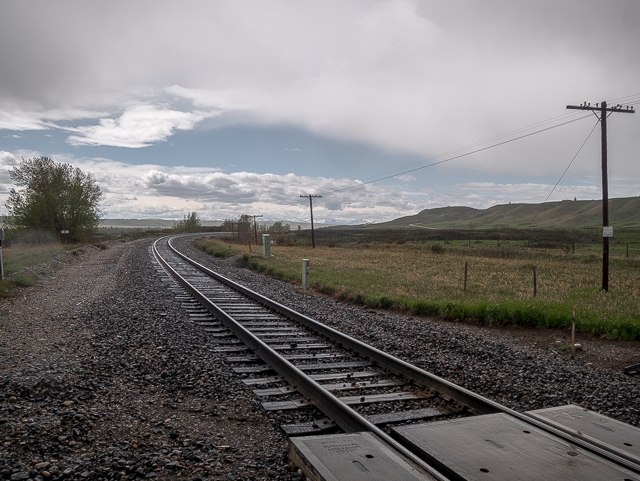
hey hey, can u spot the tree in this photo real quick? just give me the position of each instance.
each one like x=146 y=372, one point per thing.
x=53 y=197
x=190 y=223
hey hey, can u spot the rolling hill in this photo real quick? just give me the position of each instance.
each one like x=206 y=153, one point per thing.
x=623 y=213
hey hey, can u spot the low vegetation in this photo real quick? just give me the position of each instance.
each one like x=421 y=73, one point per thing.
x=422 y=279
x=216 y=249
x=19 y=256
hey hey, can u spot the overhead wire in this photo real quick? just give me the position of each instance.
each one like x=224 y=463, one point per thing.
x=408 y=168
x=506 y=134
x=408 y=171
x=563 y=174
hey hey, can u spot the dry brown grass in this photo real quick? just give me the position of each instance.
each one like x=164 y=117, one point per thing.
x=413 y=274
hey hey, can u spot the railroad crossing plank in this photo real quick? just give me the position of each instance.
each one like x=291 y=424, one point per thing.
x=498 y=447
x=353 y=457
x=594 y=426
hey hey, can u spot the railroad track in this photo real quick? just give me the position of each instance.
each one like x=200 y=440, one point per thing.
x=334 y=383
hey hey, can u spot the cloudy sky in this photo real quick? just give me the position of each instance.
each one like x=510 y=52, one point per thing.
x=235 y=107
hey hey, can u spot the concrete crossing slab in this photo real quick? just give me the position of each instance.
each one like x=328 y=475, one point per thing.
x=353 y=457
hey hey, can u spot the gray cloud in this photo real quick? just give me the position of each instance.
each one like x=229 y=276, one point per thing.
x=418 y=77
x=413 y=76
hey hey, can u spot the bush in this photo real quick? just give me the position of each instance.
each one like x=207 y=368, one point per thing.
x=437 y=249
x=24 y=280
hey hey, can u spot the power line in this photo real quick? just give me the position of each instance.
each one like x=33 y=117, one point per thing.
x=563 y=174
x=607 y=230
x=311 y=197
x=458 y=156
x=512 y=132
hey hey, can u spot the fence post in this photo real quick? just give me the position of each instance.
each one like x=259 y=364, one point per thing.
x=573 y=247
x=535 y=282
x=465 y=276
x=627 y=249
x=573 y=332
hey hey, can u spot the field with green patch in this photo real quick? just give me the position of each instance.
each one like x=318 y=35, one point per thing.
x=19 y=256
x=423 y=279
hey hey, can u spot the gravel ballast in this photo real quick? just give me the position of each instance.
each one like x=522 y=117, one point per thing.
x=104 y=376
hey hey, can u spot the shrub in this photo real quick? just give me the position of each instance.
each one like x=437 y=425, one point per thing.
x=24 y=280
x=437 y=249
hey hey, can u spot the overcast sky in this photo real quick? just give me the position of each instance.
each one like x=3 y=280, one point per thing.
x=235 y=107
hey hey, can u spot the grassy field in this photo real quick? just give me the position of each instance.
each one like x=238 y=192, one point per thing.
x=19 y=256
x=423 y=279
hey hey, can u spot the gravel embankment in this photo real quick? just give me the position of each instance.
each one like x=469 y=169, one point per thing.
x=103 y=375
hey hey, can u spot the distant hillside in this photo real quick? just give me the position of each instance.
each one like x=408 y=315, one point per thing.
x=147 y=223
x=623 y=212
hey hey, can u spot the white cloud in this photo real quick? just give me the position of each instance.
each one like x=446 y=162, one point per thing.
x=141 y=191
x=138 y=126
x=406 y=178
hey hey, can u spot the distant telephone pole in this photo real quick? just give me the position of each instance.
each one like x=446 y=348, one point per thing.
x=607 y=230
x=311 y=197
x=255 y=227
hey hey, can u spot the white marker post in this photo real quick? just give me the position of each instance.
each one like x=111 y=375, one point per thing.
x=1 y=266
x=305 y=273
x=266 y=245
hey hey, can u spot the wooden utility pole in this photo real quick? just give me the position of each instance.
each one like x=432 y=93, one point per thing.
x=311 y=197
x=255 y=227
x=607 y=230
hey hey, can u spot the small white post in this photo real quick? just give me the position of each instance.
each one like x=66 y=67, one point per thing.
x=305 y=273
x=266 y=245
x=573 y=333
x=1 y=265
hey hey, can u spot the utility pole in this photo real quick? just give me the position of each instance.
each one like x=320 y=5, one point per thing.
x=311 y=197
x=255 y=227
x=607 y=230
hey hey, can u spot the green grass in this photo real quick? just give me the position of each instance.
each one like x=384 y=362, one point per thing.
x=19 y=256
x=216 y=249
x=416 y=278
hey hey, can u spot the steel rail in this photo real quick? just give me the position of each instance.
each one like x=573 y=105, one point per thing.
x=427 y=379
x=345 y=417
